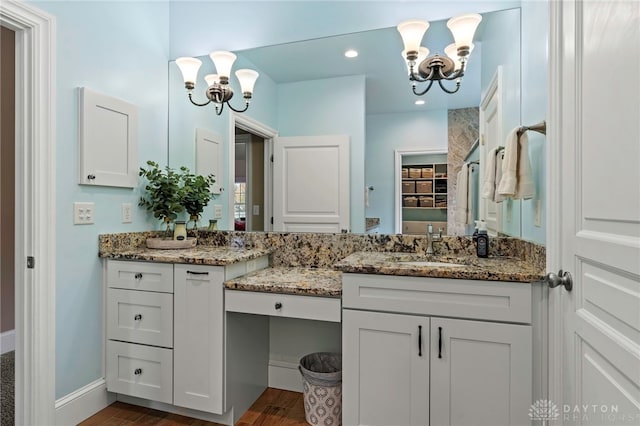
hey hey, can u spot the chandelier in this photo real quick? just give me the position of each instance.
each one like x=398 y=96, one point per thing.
x=218 y=90
x=428 y=69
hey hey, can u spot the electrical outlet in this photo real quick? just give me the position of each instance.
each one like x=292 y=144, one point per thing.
x=538 y=216
x=509 y=212
x=217 y=211
x=83 y=213
x=256 y=210
x=127 y=213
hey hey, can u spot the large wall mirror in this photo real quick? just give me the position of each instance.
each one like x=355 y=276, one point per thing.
x=311 y=88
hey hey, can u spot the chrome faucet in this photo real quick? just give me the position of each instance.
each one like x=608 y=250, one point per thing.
x=431 y=238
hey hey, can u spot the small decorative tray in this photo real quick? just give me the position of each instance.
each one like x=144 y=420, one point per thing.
x=165 y=244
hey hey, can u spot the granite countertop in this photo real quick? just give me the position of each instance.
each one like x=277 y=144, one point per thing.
x=199 y=255
x=473 y=268
x=297 y=280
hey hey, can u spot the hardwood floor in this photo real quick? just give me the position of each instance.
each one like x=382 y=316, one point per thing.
x=275 y=407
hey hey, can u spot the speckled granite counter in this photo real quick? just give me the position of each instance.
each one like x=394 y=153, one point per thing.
x=468 y=267
x=199 y=255
x=302 y=281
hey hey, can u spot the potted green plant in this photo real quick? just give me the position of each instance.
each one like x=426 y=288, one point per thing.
x=196 y=193
x=164 y=193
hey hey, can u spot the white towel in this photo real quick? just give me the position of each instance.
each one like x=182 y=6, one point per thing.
x=489 y=184
x=517 y=180
x=464 y=206
x=526 y=188
x=497 y=197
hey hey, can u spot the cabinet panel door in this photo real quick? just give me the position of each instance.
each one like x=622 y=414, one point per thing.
x=385 y=372
x=198 y=337
x=481 y=373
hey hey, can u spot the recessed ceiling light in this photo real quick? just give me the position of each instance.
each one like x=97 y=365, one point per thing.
x=419 y=102
x=351 y=53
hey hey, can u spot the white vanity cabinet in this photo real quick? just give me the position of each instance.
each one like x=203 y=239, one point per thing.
x=427 y=351
x=165 y=331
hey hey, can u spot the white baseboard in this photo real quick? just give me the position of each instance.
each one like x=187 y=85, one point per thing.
x=285 y=375
x=7 y=341
x=83 y=403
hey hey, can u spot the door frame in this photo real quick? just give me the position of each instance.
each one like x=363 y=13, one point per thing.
x=554 y=198
x=35 y=210
x=257 y=128
x=397 y=179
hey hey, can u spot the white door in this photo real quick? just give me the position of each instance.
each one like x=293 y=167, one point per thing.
x=209 y=151
x=198 y=338
x=480 y=373
x=594 y=157
x=385 y=369
x=490 y=137
x=311 y=184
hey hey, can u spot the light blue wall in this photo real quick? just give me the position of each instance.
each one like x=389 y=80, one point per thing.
x=329 y=107
x=386 y=133
x=535 y=58
x=120 y=49
x=501 y=47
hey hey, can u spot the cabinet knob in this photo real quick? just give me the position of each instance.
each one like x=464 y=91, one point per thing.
x=138 y=317
x=138 y=276
x=91 y=177
x=278 y=305
x=137 y=371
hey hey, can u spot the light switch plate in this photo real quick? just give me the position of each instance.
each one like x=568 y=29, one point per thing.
x=83 y=213
x=538 y=214
x=127 y=214
x=217 y=211
x=256 y=210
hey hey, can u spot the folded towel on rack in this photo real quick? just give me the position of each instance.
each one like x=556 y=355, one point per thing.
x=492 y=176
x=517 y=179
x=464 y=203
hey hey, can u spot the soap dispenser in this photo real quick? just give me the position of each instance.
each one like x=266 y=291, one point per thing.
x=475 y=231
x=482 y=240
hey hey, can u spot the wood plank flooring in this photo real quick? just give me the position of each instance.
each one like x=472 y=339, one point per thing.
x=275 y=407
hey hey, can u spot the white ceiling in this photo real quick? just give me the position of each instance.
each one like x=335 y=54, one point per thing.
x=387 y=84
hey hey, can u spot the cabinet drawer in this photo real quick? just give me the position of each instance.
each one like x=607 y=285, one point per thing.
x=142 y=371
x=140 y=317
x=486 y=300
x=140 y=276
x=283 y=305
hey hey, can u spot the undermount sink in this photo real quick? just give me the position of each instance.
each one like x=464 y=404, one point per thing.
x=431 y=264
x=414 y=259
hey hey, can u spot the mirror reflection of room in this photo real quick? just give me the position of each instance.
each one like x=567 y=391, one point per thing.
x=249 y=182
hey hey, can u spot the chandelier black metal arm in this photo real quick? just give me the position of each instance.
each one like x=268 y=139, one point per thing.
x=439 y=69
x=220 y=94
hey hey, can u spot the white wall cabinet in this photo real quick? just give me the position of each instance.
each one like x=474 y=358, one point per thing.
x=410 y=366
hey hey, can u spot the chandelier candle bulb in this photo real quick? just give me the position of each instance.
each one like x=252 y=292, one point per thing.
x=218 y=89
x=437 y=68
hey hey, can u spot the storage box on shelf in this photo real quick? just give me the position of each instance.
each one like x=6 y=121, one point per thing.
x=421 y=183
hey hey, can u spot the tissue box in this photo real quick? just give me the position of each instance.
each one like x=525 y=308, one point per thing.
x=424 y=187
x=408 y=187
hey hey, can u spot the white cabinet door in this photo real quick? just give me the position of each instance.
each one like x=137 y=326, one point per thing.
x=480 y=373
x=385 y=371
x=209 y=151
x=311 y=184
x=198 y=337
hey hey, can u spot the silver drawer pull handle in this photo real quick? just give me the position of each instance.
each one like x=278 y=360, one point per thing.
x=137 y=371
x=139 y=276
x=138 y=317
x=278 y=305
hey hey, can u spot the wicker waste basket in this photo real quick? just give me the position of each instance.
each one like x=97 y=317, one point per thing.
x=322 y=382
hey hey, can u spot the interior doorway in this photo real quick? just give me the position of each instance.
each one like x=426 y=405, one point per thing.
x=249 y=183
